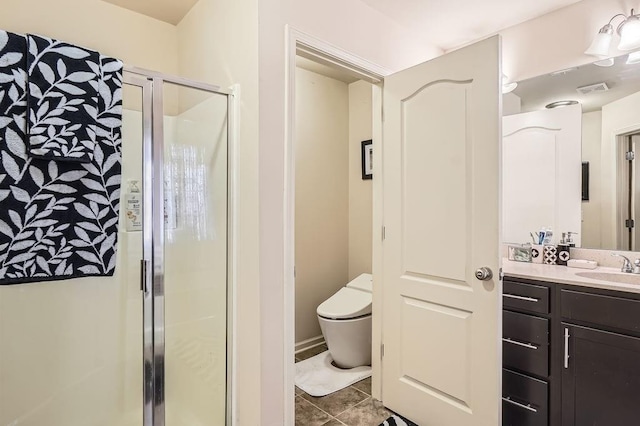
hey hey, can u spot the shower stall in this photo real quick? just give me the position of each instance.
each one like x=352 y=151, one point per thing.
x=150 y=345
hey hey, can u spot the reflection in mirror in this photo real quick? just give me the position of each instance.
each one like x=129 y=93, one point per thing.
x=547 y=149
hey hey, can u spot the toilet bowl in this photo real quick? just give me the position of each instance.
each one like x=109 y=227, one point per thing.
x=345 y=321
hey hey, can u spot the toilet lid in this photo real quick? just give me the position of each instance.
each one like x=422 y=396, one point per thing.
x=346 y=303
x=362 y=282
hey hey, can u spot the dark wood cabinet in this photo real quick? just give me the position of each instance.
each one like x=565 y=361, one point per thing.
x=525 y=343
x=600 y=378
x=571 y=355
x=525 y=400
x=526 y=338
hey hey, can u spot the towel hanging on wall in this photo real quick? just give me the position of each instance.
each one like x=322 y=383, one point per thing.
x=59 y=219
x=62 y=99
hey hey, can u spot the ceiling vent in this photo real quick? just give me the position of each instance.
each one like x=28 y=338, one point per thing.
x=593 y=88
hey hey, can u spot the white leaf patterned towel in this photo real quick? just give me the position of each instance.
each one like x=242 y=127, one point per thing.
x=62 y=98
x=59 y=219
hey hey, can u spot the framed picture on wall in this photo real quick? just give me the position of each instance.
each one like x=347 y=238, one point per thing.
x=367 y=159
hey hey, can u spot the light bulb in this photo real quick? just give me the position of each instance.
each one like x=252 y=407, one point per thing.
x=630 y=33
x=601 y=42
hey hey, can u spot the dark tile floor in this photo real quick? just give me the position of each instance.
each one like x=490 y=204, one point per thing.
x=351 y=406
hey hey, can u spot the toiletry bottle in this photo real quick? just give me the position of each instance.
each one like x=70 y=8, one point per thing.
x=133 y=207
x=563 y=250
x=570 y=235
x=541 y=234
x=548 y=236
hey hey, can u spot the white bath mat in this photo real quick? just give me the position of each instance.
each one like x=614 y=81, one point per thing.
x=317 y=377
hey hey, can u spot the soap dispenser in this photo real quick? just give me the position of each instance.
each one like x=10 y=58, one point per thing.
x=564 y=253
x=133 y=207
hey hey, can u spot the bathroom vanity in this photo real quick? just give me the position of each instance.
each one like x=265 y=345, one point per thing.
x=571 y=346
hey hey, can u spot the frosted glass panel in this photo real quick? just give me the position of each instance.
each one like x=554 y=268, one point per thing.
x=71 y=350
x=195 y=140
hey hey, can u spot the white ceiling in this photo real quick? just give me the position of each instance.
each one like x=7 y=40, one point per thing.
x=451 y=23
x=171 y=11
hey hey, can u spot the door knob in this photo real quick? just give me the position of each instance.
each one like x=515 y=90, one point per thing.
x=484 y=273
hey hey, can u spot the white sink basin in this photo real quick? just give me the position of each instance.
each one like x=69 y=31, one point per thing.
x=611 y=276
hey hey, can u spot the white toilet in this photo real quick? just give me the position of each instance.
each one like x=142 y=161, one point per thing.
x=345 y=320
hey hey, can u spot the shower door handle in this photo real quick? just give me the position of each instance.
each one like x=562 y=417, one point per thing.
x=143 y=275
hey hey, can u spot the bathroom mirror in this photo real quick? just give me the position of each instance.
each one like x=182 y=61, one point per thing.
x=573 y=166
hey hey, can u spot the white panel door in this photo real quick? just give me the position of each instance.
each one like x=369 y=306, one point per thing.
x=441 y=325
x=542 y=173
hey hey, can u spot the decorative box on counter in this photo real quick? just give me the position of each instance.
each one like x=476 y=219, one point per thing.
x=520 y=253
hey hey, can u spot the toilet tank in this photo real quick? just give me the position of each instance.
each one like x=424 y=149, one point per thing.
x=363 y=282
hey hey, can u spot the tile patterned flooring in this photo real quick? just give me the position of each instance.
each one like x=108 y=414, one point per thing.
x=351 y=406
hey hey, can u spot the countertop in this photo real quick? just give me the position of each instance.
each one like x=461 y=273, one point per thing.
x=566 y=275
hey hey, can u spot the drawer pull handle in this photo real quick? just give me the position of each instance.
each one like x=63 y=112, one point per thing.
x=566 y=347
x=513 y=296
x=514 y=342
x=517 y=404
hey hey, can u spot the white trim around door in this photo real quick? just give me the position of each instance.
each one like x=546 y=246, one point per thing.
x=299 y=43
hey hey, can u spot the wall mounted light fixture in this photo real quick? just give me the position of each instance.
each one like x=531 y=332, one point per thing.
x=628 y=30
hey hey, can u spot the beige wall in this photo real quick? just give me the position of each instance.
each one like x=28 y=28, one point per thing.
x=591 y=151
x=333 y=203
x=322 y=195
x=360 y=191
x=218 y=43
x=134 y=38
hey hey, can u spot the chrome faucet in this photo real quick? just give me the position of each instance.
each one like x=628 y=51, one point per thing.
x=626 y=264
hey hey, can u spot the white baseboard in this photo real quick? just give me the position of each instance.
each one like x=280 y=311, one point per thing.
x=309 y=343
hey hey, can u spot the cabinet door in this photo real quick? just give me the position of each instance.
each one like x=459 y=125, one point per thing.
x=600 y=378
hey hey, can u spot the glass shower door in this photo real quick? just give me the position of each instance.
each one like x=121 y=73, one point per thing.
x=195 y=256
x=71 y=350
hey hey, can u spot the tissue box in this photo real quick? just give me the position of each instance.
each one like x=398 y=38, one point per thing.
x=520 y=253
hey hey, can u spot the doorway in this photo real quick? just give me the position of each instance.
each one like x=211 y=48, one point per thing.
x=327 y=56
x=628 y=180
x=333 y=235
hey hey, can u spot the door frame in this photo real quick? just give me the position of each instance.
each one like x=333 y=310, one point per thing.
x=152 y=265
x=621 y=176
x=298 y=42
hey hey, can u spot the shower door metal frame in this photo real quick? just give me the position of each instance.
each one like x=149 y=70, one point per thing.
x=152 y=263
x=146 y=262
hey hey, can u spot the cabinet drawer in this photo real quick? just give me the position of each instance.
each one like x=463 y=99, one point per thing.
x=527 y=297
x=525 y=356
x=616 y=312
x=525 y=328
x=524 y=400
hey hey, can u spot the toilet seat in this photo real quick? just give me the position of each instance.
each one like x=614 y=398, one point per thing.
x=347 y=303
